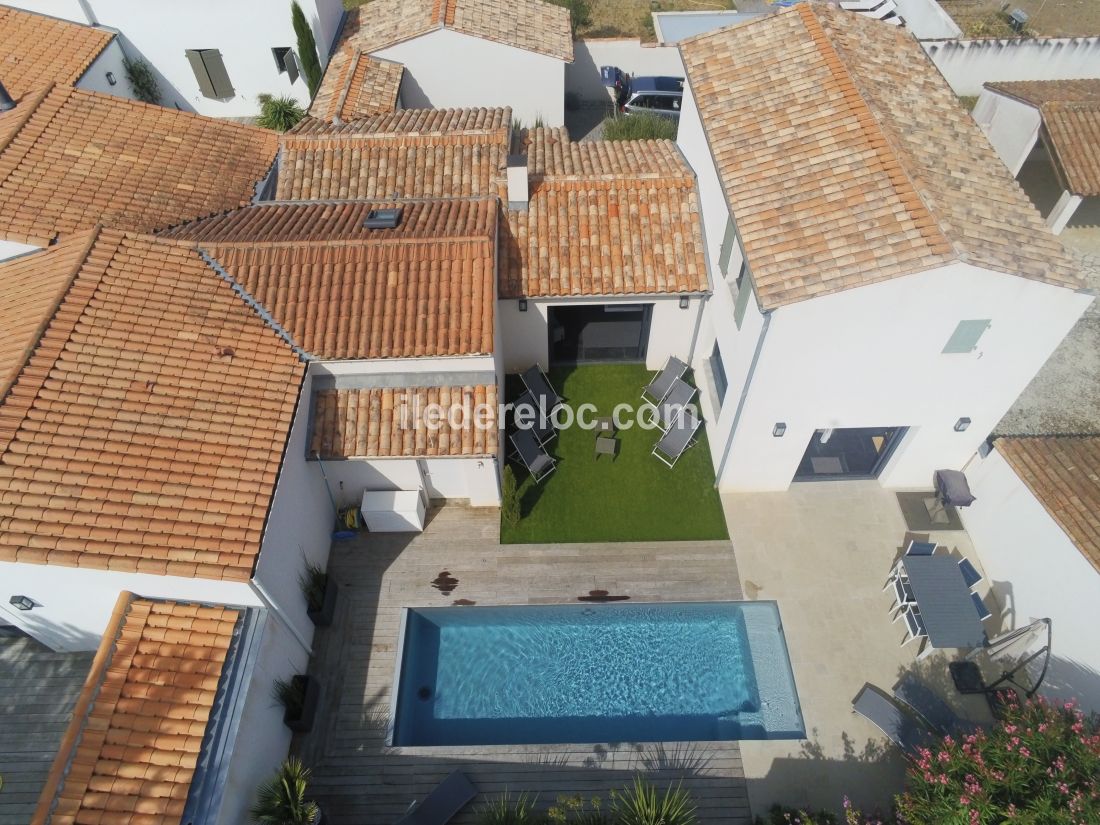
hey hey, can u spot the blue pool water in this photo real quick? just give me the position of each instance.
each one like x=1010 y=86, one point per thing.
x=594 y=673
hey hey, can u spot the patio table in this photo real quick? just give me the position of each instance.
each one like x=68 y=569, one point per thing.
x=944 y=602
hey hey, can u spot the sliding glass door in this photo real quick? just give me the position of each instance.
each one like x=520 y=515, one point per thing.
x=848 y=452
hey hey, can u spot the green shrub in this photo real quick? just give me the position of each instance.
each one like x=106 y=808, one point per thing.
x=1039 y=764
x=643 y=804
x=782 y=815
x=580 y=13
x=279 y=113
x=639 y=127
x=307 y=48
x=313 y=580
x=282 y=799
x=291 y=694
x=503 y=811
x=142 y=80
x=509 y=498
x=576 y=810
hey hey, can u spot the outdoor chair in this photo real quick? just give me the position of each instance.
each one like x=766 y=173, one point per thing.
x=902 y=728
x=914 y=624
x=538 y=385
x=903 y=593
x=538 y=462
x=656 y=390
x=440 y=806
x=979 y=605
x=674 y=406
x=920 y=548
x=676 y=439
x=970 y=574
x=929 y=706
x=542 y=426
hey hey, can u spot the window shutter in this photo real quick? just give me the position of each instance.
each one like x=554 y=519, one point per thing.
x=742 y=301
x=718 y=373
x=194 y=57
x=966 y=335
x=728 y=240
x=291 y=63
x=215 y=68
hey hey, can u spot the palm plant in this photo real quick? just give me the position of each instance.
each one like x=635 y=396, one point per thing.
x=503 y=811
x=313 y=582
x=291 y=694
x=279 y=113
x=281 y=800
x=641 y=804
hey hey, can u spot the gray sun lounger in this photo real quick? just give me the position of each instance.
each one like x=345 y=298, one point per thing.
x=901 y=727
x=440 y=806
x=677 y=438
x=540 y=424
x=679 y=396
x=535 y=382
x=656 y=390
x=538 y=462
x=929 y=706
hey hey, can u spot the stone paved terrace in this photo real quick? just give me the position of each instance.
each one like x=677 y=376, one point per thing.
x=357 y=779
x=38 y=689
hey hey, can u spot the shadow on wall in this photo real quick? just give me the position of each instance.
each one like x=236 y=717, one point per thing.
x=412 y=95
x=58 y=636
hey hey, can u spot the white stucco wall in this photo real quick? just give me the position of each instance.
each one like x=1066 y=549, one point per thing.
x=447 y=69
x=1011 y=126
x=672 y=330
x=244 y=31
x=1035 y=571
x=968 y=64
x=109 y=60
x=262 y=740
x=926 y=19
x=395 y=366
x=9 y=249
x=75 y=603
x=872 y=357
x=299 y=526
x=582 y=76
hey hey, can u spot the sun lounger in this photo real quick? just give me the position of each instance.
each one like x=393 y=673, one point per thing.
x=440 y=806
x=656 y=390
x=674 y=405
x=911 y=692
x=538 y=462
x=533 y=419
x=901 y=728
x=536 y=383
x=677 y=438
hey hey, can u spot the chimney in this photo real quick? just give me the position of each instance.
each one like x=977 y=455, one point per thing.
x=518 y=191
x=6 y=103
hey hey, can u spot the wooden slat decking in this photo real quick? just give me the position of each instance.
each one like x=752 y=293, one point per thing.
x=358 y=780
x=38 y=689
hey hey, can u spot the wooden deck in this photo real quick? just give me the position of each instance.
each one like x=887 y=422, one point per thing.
x=357 y=779
x=38 y=689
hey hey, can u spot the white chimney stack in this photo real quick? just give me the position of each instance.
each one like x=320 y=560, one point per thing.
x=518 y=191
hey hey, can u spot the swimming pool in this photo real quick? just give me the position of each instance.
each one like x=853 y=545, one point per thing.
x=533 y=674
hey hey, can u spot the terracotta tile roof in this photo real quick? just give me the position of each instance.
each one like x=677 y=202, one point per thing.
x=134 y=741
x=616 y=218
x=342 y=291
x=70 y=160
x=1071 y=119
x=1063 y=473
x=36 y=50
x=391 y=422
x=146 y=429
x=846 y=159
x=356 y=86
x=533 y=25
x=410 y=154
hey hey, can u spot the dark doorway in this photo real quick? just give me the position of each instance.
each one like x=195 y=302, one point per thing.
x=848 y=452
x=615 y=332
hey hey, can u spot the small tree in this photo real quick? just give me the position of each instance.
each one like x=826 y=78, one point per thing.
x=1039 y=763
x=282 y=799
x=142 y=80
x=307 y=48
x=509 y=498
x=279 y=113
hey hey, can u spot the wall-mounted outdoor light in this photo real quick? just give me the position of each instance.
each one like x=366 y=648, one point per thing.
x=961 y=425
x=21 y=602
x=522 y=304
x=684 y=301
x=111 y=79
x=779 y=430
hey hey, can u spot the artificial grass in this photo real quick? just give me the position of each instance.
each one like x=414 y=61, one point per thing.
x=633 y=498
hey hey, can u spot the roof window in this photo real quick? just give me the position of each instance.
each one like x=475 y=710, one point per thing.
x=383 y=218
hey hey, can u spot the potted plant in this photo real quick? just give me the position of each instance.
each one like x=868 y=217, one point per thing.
x=299 y=696
x=281 y=800
x=320 y=593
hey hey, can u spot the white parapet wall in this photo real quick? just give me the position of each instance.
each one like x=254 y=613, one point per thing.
x=927 y=20
x=1034 y=572
x=968 y=64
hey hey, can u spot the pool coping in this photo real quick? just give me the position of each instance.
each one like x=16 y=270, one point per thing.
x=399 y=656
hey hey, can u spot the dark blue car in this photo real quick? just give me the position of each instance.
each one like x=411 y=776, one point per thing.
x=657 y=95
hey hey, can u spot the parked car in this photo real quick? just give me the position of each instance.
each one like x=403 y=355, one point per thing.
x=654 y=94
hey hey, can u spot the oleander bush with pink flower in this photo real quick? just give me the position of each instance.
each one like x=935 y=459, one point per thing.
x=1039 y=764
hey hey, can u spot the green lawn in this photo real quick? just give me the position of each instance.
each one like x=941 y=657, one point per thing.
x=633 y=498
